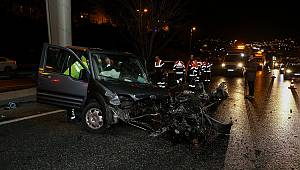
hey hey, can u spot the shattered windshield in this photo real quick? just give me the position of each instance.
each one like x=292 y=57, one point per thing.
x=118 y=67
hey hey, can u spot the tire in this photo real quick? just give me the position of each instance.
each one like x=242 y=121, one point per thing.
x=8 y=69
x=93 y=117
x=8 y=72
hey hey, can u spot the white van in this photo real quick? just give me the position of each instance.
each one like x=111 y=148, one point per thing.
x=233 y=64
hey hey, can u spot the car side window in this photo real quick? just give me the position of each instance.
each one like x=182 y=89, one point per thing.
x=63 y=62
x=2 y=59
x=75 y=68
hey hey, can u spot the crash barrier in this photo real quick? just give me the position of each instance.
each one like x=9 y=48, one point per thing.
x=292 y=85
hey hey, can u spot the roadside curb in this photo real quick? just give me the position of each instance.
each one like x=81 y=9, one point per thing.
x=18 y=96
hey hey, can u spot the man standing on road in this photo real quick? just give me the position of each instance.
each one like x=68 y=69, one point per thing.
x=250 y=74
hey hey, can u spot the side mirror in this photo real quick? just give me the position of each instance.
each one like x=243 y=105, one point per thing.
x=84 y=75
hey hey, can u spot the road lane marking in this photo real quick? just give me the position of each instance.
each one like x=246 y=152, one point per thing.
x=30 y=117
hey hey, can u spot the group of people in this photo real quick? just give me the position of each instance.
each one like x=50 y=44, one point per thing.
x=195 y=71
x=192 y=72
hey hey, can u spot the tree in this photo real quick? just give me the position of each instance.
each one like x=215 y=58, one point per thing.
x=150 y=24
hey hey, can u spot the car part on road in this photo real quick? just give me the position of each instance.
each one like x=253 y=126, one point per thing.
x=11 y=105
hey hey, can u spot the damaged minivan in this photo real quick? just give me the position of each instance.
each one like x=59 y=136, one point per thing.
x=102 y=87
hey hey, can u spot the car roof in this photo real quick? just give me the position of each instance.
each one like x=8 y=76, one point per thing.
x=86 y=49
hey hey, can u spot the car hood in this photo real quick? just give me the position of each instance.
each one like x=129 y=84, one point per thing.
x=136 y=90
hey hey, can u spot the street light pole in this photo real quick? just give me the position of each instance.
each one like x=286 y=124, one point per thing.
x=191 y=38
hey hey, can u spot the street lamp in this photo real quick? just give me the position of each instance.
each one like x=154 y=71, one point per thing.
x=191 y=37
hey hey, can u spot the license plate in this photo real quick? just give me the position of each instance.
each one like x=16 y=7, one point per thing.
x=230 y=69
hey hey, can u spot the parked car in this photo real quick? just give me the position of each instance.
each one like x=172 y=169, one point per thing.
x=7 y=65
x=102 y=87
x=292 y=70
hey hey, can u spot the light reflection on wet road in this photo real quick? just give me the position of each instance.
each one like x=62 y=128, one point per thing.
x=266 y=130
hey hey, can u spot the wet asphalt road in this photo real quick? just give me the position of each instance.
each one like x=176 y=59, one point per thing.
x=265 y=135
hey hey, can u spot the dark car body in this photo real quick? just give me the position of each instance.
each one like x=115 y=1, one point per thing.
x=292 y=70
x=66 y=79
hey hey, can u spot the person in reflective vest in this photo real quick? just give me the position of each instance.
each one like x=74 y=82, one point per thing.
x=179 y=69
x=159 y=72
x=76 y=67
x=192 y=72
x=206 y=70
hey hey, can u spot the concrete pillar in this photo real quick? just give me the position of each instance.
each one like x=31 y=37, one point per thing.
x=59 y=22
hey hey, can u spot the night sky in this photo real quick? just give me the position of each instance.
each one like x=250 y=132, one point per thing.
x=246 y=20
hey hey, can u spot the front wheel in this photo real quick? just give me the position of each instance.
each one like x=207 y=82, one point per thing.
x=93 y=118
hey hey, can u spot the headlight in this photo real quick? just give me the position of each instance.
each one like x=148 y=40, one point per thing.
x=282 y=69
x=240 y=64
x=260 y=64
x=288 y=71
x=113 y=98
x=223 y=65
x=276 y=64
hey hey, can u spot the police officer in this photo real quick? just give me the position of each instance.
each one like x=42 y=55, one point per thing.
x=179 y=70
x=159 y=72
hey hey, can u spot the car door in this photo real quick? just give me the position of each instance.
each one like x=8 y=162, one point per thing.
x=57 y=85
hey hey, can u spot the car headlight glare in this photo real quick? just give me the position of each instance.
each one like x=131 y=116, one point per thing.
x=288 y=71
x=240 y=64
x=223 y=65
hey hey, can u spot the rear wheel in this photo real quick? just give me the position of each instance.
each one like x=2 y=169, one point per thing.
x=93 y=117
x=7 y=69
x=9 y=72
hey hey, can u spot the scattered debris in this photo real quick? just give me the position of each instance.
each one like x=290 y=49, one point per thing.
x=11 y=106
x=289 y=117
x=257 y=152
x=291 y=111
x=188 y=119
x=245 y=155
